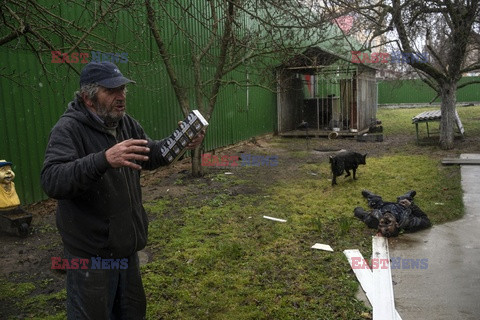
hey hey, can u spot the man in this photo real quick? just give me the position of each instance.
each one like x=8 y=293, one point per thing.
x=389 y=217
x=92 y=166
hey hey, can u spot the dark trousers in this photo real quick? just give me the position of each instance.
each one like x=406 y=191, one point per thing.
x=105 y=294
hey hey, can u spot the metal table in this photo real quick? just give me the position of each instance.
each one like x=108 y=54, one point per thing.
x=434 y=115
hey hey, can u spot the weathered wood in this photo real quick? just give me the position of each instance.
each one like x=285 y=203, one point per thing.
x=384 y=307
x=451 y=161
x=364 y=277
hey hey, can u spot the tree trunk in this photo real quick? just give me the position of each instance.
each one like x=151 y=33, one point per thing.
x=197 y=169
x=447 y=123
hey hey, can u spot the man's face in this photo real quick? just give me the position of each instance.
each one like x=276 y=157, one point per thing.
x=6 y=175
x=388 y=225
x=111 y=103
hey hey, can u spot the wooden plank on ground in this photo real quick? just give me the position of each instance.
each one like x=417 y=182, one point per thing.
x=459 y=123
x=384 y=307
x=274 y=219
x=450 y=161
x=364 y=275
x=321 y=246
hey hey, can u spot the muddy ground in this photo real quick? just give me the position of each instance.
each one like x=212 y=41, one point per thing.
x=29 y=259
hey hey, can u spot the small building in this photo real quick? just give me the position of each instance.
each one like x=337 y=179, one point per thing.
x=326 y=91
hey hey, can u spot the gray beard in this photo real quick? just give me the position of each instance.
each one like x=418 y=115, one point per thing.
x=110 y=120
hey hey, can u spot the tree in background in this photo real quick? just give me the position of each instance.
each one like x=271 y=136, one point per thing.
x=45 y=26
x=213 y=39
x=447 y=30
x=223 y=35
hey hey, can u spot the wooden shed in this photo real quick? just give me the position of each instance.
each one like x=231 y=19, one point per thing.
x=327 y=92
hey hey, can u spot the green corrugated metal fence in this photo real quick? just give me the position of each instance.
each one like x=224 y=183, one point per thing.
x=416 y=91
x=32 y=103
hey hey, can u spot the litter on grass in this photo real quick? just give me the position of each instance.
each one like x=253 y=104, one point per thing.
x=321 y=246
x=275 y=219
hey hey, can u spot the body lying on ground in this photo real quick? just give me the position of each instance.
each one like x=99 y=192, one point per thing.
x=392 y=217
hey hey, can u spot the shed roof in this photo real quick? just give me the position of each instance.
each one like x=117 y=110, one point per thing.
x=316 y=57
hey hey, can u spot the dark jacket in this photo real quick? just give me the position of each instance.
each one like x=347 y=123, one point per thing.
x=410 y=218
x=100 y=211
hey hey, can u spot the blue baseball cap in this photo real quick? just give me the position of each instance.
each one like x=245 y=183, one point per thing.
x=4 y=163
x=105 y=74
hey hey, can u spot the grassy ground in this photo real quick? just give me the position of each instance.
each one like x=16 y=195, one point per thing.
x=212 y=255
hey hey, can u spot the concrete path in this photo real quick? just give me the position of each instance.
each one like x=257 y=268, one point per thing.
x=449 y=288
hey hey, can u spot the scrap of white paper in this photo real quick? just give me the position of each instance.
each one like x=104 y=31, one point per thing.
x=320 y=246
x=274 y=219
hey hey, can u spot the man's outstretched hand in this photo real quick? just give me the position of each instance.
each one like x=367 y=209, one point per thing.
x=122 y=154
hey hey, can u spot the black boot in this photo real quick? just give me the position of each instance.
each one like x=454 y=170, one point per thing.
x=360 y=213
x=367 y=193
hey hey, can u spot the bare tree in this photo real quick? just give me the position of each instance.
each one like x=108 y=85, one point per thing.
x=223 y=35
x=446 y=30
x=217 y=37
x=44 y=28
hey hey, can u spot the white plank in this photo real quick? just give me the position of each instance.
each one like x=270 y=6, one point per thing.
x=459 y=123
x=384 y=307
x=321 y=246
x=364 y=276
x=275 y=219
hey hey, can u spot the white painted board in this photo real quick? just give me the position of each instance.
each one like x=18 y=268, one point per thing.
x=364 y=277
x=275 y=219
x=321 y=246
x=384 y=308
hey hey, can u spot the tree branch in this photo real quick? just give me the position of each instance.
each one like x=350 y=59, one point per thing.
x=180 y=92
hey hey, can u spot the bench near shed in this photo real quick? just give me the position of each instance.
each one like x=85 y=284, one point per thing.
x=434 y=115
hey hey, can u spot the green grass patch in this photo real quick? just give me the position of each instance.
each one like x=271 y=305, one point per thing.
x=438 y=187
x=25 y=297
x=399 y=121
x=215 y=257
x=10 y=290
x=229 y=263
x=470 y=117
x=222 y=260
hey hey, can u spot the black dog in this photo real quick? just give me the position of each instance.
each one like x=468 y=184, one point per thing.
x=346 y=161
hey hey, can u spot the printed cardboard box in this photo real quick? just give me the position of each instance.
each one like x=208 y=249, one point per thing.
x=175 y=145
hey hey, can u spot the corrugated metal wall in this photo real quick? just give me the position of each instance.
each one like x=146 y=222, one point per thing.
x=32 y=103
x=416 y=91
